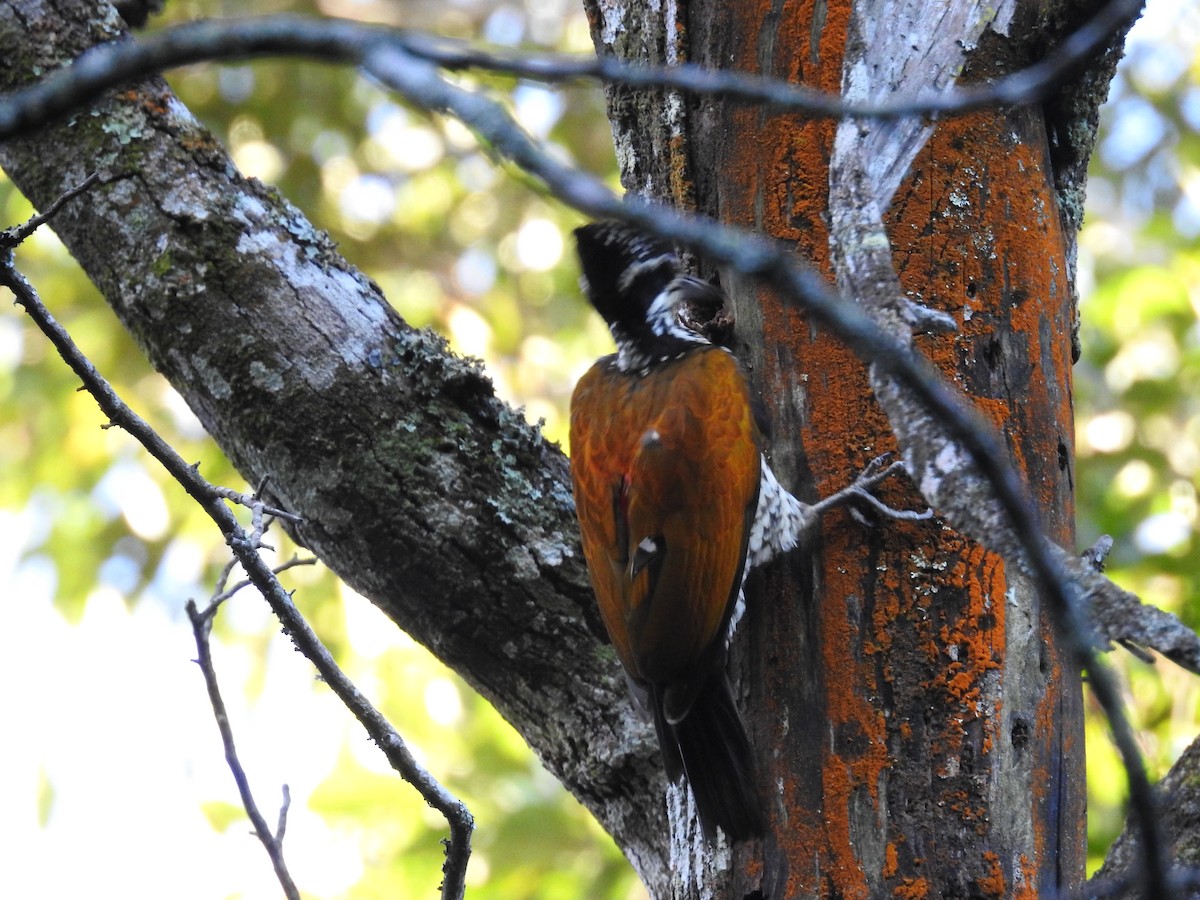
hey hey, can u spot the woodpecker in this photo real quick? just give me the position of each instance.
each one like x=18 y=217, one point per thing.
x=675 y=503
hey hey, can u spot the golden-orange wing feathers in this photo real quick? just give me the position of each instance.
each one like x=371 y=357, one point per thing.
x=666 y=471
x=667 y=466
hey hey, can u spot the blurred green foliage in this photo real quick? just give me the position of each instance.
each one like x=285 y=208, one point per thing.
x=458 y=244
x=1138 y=385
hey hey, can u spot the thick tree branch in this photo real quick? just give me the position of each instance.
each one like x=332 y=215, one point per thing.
x=869 y=161
x=1122 y=617
x=1122 y=873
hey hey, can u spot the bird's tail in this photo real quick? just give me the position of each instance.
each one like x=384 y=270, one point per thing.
x=709 y=746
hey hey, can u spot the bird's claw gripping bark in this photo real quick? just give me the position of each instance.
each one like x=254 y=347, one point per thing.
x=858 y=491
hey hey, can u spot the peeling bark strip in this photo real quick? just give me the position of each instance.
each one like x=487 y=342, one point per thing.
x=420 y=489
x=922 y=728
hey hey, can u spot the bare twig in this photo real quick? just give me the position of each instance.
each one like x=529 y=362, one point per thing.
x=254 y=501
x=284 y=806
x=10 y=238
x=1028 y=85
x=339 y=40
x=272 y=842
x=224 y=593
x=223 y=579
x=201 y=630
x=1121 y=616
x=245 y=548
x=1096 y=555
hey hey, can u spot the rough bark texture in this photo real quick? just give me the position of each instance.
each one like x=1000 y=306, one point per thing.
x=917 y=725
x=419 y=488
x=1180 y=793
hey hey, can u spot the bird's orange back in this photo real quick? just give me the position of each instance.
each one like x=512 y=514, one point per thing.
x=671 y=455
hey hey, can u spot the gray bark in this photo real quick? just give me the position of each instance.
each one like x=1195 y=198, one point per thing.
x=1121 y=875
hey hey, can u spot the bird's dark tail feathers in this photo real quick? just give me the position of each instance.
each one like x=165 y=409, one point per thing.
x=709 y=746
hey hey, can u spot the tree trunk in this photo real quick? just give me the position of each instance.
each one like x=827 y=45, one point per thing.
x=917 y=724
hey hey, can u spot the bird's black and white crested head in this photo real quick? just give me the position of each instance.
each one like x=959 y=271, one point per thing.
x=635 y=282
x=624 y=270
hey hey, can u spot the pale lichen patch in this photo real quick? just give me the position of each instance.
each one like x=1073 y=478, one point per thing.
x=265 y=377
x=211 y=378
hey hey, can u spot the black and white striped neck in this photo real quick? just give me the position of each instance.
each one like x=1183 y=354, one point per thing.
x=657 y=339
x=636 y=283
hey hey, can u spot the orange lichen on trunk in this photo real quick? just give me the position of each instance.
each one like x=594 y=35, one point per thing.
x=991 y=883
x=890 y=863
x=973 y=643
x=880 y=658
x=911 y=889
